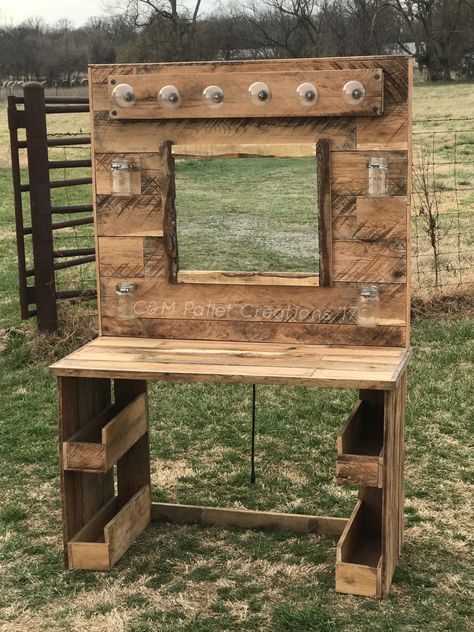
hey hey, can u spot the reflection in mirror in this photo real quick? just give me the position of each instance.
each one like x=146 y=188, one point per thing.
x=251 y=214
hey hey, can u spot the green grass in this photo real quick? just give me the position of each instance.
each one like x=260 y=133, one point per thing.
x=193 y=578
x=229 y=217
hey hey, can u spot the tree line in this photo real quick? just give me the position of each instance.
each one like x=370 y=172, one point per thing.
x=439 y=32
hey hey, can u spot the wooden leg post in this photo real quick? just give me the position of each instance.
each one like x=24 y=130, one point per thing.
x=370 y=545
x=94 y=434
x=83 y=493
x=133 y=469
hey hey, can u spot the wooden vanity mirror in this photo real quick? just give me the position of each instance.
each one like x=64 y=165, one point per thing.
x=249 y=215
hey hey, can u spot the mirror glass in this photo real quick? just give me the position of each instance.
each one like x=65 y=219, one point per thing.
x=247 y=214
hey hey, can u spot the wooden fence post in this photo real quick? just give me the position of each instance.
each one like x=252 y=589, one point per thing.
x=40 y=201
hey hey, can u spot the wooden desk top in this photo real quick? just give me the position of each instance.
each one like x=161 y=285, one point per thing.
x=237 y=362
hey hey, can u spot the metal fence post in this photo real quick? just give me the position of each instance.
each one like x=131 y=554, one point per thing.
x=40 y=201
x=15 y=121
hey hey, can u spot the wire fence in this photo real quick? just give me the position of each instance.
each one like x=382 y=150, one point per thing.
x=443 y=205
x=80 y=237
x=442 y=209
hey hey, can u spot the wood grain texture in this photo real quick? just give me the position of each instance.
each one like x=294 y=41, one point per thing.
x=298 y=333
x=170 y=241
x=247 y=519
x=323 y=167
x=126 y=526
x=133 y=468
x=387 y=132
x=395 y=70
x=187 y=360
x=381 y=218
x=282 y=85
x=393 y=493
x=154 y=257
x=121 y=257
x=156 y=299
x=344 y=219
x=359 y=554
x=248 y=278
x=99 y=445
x=80 y=400
x=349 y=172
x=368 y=234
x=117 y=527
x=138 y=215
x=360 y=446
x=112 y=136
x=236 y=150
x=370 y=262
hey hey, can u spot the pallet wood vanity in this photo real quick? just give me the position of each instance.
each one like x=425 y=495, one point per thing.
x=303 y=328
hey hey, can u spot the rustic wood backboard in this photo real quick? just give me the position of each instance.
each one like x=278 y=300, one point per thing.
x=366 y=238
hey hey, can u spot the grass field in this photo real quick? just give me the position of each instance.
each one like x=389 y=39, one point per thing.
x=194 y=579
x=229 y=218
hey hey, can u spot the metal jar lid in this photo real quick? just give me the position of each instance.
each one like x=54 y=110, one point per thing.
x=125 y=288
x=372 y=291
x=378 y=164
x=120 y=164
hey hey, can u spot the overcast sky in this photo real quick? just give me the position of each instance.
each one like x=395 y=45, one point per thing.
x=53 y=10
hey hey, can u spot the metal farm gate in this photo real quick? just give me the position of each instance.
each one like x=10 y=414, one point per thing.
x=43 y=250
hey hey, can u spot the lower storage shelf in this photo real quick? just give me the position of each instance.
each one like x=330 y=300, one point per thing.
x=98 y=445
x=360 y=446
x=106 y=537
x=359 y=554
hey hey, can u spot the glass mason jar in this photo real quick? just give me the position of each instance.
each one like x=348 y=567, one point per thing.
x=125 y=300
x=121 y=177
x=378 y=176
x=368 y=308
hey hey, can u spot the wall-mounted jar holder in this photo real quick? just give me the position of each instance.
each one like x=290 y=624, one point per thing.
x=121 y=178
x=378 y=176
x=368 y=308
x=125 y=301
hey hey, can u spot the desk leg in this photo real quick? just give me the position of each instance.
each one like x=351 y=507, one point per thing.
x=370 y=544
x=133 y=469
x=393 y=493
x=83 y=494
x=390 y=500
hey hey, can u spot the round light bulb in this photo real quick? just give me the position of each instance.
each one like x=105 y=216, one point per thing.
x=169 y=97
x=308 y=94
x=214 y=96
x=354 y=92
x=260 y=93
x=123 y=95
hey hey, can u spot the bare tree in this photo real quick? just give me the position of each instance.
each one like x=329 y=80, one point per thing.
x=284 y=28
x=441 y=31
x=168 y=16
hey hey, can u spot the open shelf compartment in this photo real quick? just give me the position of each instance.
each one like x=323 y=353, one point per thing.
x=360 y=446
x=106 y=537
x=105 y=439
x=359 y=553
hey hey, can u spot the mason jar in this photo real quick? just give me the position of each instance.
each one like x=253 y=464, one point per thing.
x=125 y=300
x=121 y=177
x=368 y=308
x=378 y=176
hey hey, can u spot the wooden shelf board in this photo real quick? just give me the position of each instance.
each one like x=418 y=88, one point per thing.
x=215 y=361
